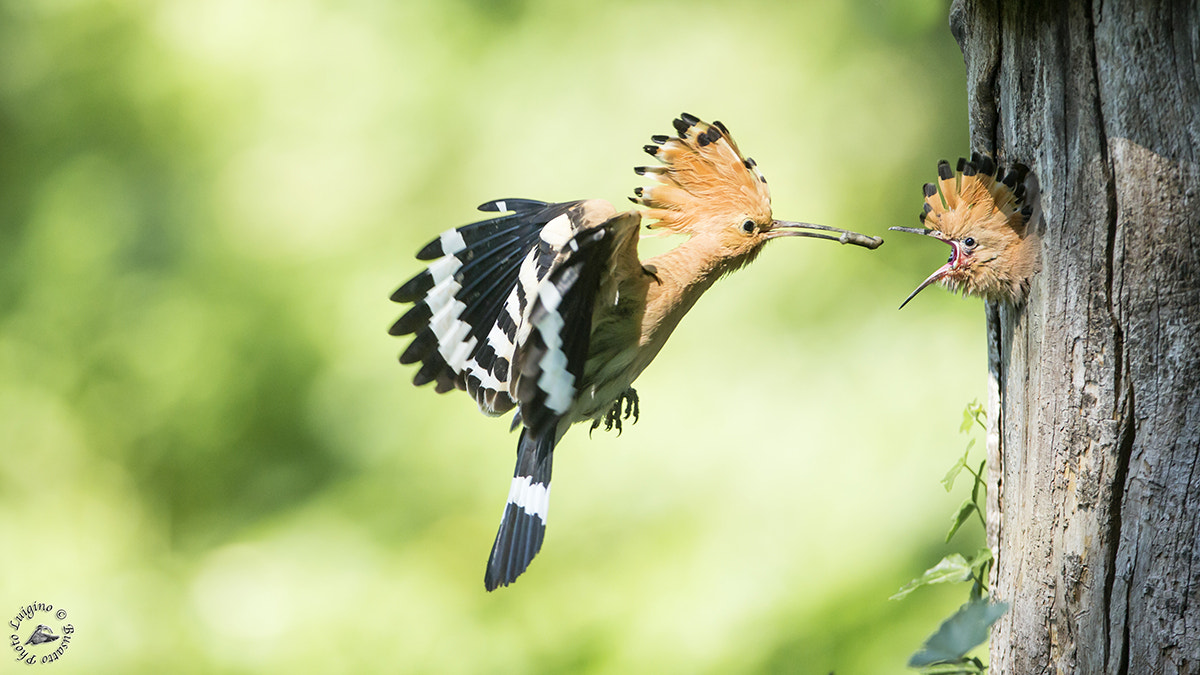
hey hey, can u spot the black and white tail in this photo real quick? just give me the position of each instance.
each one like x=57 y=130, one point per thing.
x=504 y=312
x=523 y=526
x=548 y=371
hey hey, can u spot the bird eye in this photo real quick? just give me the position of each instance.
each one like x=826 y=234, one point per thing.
x=748 y=227
x=969 y=242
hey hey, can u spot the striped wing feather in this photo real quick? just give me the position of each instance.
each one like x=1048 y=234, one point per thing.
x=549 y=363
x=463 y=329
x=471 y=305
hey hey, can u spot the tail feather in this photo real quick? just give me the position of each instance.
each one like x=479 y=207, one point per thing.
x=523 y=526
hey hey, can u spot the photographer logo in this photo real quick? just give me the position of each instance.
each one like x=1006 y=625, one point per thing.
x=40 y=633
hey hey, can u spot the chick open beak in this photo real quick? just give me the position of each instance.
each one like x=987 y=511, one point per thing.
x=941 y=271
x=787 y=228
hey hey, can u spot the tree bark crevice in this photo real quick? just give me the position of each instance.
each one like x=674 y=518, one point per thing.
x=1094 y=383
x=1123 y=415
x=1116 y=616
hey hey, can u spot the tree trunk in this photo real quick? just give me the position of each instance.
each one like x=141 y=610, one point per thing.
x=1094 y=410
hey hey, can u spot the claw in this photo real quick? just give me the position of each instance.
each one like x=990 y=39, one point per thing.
x=622 y=409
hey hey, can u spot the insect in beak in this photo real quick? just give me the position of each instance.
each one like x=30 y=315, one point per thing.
x=787 y=228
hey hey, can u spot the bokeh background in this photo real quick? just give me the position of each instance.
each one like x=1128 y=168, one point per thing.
x=212 y=460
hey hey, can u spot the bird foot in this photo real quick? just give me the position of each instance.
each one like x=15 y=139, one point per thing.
x=613 y=419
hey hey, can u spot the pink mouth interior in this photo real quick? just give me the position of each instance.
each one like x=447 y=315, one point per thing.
x=955 y=256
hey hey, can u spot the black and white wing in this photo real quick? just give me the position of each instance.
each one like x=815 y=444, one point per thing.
x=468 y=303
x=552 y=349
x=552 y=342
x=504 y=312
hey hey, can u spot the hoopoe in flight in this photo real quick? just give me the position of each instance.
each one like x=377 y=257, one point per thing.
x=547 y=308
x=985 y=221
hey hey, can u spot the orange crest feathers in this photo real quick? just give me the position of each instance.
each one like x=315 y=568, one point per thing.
x=703 y=179
x=971 y=197
x=986 y=224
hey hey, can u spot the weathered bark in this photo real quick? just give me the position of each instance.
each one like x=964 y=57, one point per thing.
x=1094 y=439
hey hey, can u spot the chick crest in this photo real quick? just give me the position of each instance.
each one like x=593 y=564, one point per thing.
x=985 y=221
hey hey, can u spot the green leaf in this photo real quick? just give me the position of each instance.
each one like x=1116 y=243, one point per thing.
x=973 y=414
x=962 y=632
x=978 y=478
x=981 y=567
x=952 y=568
x=964 y=512
x=968 y=419
x=948 y=481
x=982 y=558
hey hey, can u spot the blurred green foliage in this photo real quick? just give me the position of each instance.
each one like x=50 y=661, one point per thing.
x=212 y=460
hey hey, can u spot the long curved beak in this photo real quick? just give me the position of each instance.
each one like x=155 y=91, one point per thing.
x=787 y=228
x=936 y=276
x=941 y=271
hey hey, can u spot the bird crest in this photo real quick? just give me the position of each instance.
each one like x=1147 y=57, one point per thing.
x=703 y=179
x=985 y=221
x=548 y=308
x=972 y=198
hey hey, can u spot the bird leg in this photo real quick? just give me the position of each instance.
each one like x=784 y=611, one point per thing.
x=614 y=417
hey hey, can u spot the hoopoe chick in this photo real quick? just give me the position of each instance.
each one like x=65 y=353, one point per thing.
x=993 y=253
x=548 y=308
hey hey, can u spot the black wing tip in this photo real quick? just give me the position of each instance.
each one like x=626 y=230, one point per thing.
x=515 y=205
x=424 y=344
x=431 y=251
x=412 y=321
x=414 y=289
x=400 y=295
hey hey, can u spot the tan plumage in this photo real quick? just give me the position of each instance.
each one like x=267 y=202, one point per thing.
x=548 y=307
x=707 y=190
x=985 y=221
